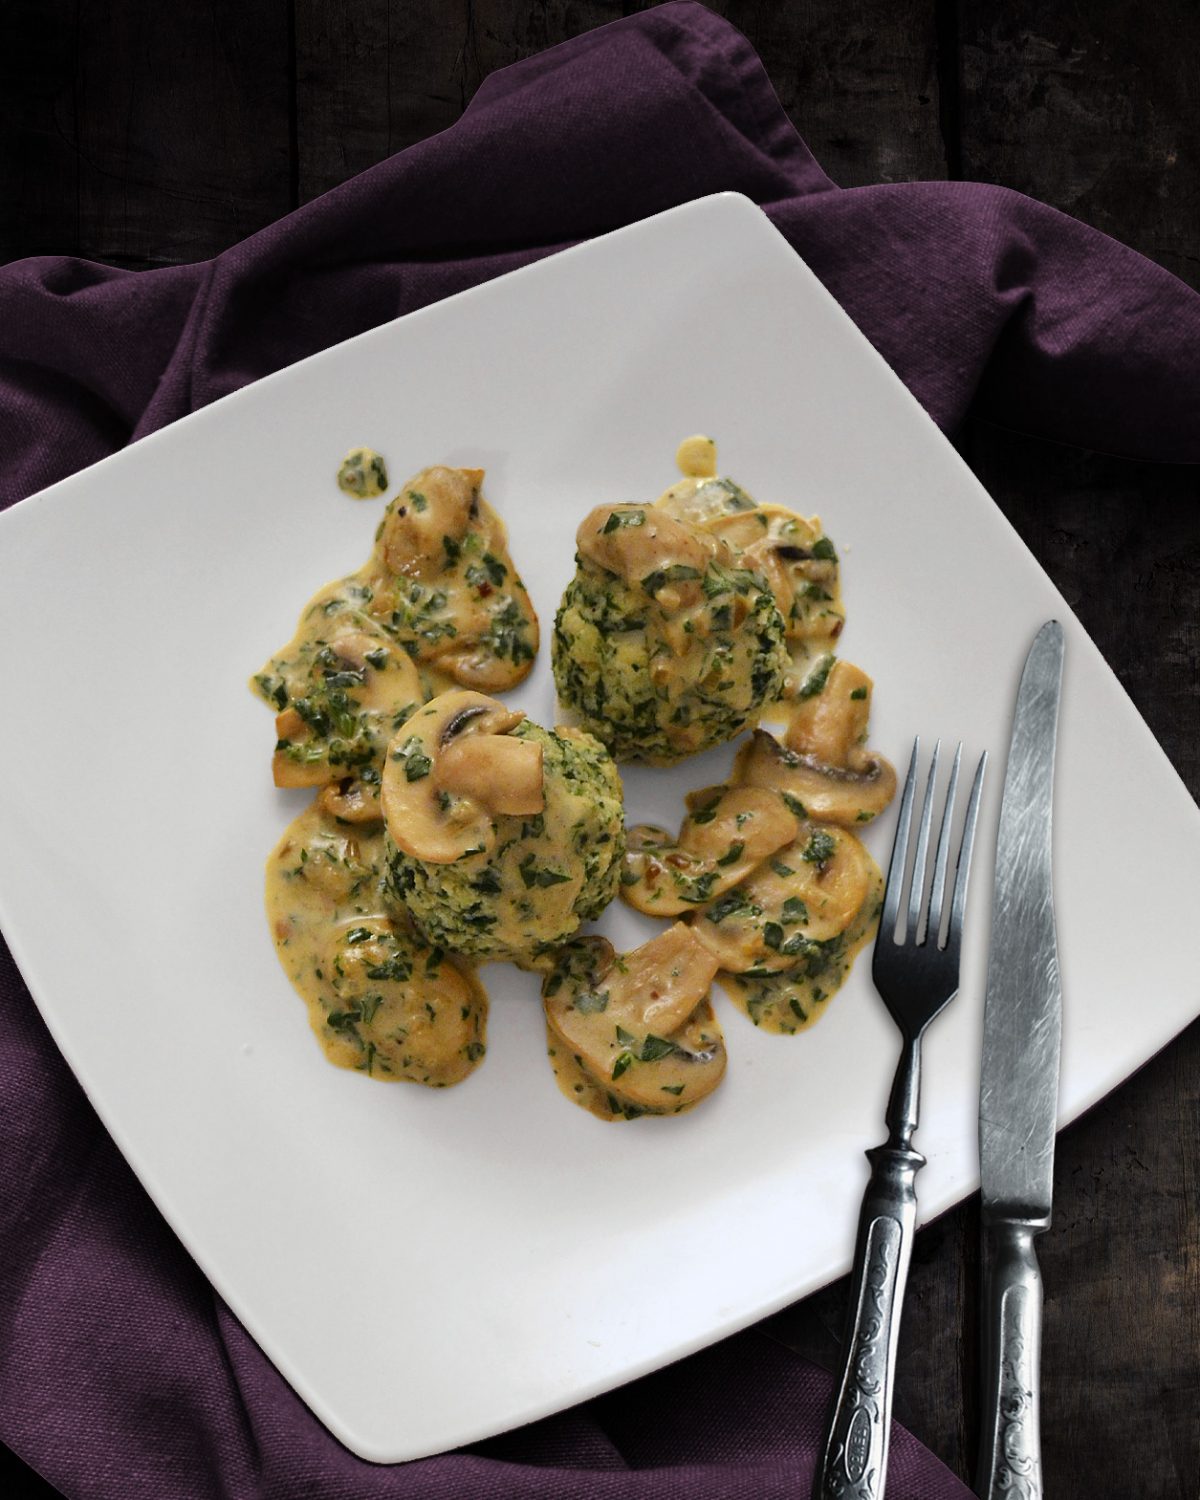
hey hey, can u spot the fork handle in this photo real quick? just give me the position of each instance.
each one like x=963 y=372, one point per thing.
x=854 y=1459
x=1010 y=1457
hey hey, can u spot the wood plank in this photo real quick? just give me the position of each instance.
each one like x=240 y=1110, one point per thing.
x=39 y=168
x=1093 y=109
x=859 y=81
x=373 y=78
x=185 y=126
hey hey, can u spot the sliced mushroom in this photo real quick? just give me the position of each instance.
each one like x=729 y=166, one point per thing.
x=399 y=1009
x=351 y=800
x=432 y=512
x=728 y=831
x=647 y=547
x=387 y=676
x=299 y=760
x=429 y=819
x=641 y=1024
x=831 y=725
x=354 y=684
x=785 y=1002
x=798 y=562
x=503 y=774
x=830 y=794
x=807 y=893
x=332 y=865
x=702 y=501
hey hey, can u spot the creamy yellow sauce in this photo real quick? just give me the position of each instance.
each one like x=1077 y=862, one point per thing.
x=438 y=603
x=632 y=1034
x=696 y=457
x=772 y=891
x=788 y=1001
x=792 y=553
x=767 y=869
x=380 y=1000
x=600 y=1099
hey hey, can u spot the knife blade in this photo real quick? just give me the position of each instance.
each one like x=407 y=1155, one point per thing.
x=1018 y=1090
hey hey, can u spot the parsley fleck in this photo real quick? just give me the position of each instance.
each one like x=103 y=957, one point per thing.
x=820 y=848
x=623 y=518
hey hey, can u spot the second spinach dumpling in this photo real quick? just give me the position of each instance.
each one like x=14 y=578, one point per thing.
x=502 y=837
x=663 y=645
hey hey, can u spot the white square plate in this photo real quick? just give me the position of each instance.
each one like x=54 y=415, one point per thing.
x=430 y=1267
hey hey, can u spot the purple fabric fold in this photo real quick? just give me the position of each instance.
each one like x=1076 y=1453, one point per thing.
x=121 y=1374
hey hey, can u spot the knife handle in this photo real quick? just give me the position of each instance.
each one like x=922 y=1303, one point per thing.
x=1010 y=1458
x=854 y=1459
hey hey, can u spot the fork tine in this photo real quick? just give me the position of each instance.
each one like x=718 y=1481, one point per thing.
x=933 y=927
x=916 y=895
x=895 y=875
x=962 y=869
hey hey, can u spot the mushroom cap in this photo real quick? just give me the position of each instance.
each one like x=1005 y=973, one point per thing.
x=423 y=1015
x=424 y=817
x=351 y=800
x=728 y=831
x=637 y=542
x=437 y=503
x=640 y=1024
x=828 y=794
x=344 y=682
x=831 y=726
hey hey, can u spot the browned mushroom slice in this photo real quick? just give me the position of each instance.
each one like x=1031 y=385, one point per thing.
x=648 y=547
x=396 y=1009
x=829 y=794
x=799 y=563
x=830 y=725
x=299 y=758
x=439 y=801
x=442 y=582
x=342 y=686
x=352 y=800
x=433 y=511
x=639 y=1025
x=728 y=831
x=704 y=501
x=792 y=999
x=787 y=1002
x=806 y=894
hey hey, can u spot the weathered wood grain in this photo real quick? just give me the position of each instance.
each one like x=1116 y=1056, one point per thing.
x=39 y=167
x=156 y=133
x=1092 y=108
x=373 y=77
x=860 y=81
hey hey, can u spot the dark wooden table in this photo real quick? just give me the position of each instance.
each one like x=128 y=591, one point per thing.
x=144 y=133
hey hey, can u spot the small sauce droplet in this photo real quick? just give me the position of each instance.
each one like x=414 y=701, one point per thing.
x=697 y=457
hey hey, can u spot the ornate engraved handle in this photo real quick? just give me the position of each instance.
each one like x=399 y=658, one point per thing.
x=1010 y=1457
x=854 y=1461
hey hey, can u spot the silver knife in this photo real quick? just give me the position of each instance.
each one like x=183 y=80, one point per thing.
x=1018 y=1087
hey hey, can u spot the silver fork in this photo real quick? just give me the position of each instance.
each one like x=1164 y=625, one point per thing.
x=917 y=975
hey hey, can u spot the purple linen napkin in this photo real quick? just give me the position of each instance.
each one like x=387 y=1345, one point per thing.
x=121 y=1374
